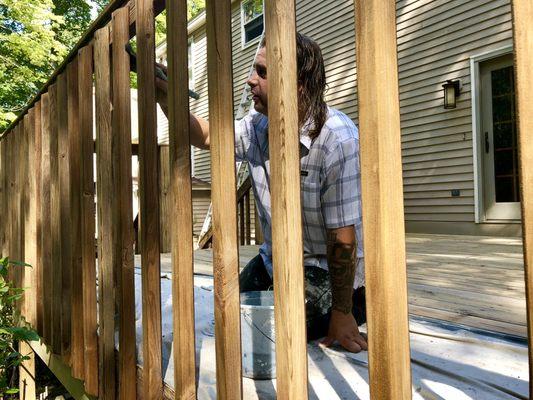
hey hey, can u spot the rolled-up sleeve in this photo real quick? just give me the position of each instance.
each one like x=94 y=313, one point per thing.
x=340 y=189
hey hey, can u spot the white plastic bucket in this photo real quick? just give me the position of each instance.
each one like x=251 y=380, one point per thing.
x=258 y=335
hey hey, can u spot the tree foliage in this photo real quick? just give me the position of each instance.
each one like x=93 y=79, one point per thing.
x=36 y=35
x=29 y=51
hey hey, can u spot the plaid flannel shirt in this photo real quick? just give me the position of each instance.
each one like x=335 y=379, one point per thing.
x=330 y=183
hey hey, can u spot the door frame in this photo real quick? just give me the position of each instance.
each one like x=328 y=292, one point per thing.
x=477 y=148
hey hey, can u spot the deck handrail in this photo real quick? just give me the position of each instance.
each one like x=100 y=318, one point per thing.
x=48 y=196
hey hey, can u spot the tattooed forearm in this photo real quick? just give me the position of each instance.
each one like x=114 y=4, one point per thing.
x=341 y=264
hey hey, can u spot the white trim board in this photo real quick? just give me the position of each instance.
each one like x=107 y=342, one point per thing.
x=475 y=60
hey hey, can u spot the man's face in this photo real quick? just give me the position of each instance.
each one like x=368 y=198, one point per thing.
x=258 y=83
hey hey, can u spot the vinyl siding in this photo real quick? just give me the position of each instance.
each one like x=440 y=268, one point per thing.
x=435 y=42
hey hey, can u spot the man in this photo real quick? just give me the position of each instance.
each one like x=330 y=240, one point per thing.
x=331 y=198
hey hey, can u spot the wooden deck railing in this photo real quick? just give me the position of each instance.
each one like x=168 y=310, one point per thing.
x=48 y=197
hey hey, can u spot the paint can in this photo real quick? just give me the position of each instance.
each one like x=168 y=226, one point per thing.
x=258 y=335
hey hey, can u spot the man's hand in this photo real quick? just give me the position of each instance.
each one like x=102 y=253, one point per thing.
x=343 y=329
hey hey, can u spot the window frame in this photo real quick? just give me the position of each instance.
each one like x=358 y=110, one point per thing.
x=244 y=43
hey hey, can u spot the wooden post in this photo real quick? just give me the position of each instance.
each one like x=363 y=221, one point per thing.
x=242 y=227
x=28 y=203
x=287 y=255
x=27 y=219
x=19 y=211
x=382 y=191
x=46 y=232
x=121 y=127
x=149 y=203
x=181 y=227
x=85 y=103
x=27 y=373
x=37 y=168
x=224 y=199
x=106 y=217
x=523 y=53
x=77 y=353
x=31 y=221
x=55 y=212
x=64 y=214
x=248 y=218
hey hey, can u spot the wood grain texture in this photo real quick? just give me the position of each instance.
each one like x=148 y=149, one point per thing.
x=55 y=278
x=163 y=165
x=181 y=227
x=224 y=201
x=46 y=232
x=74 y=155
x=30 y=221
x=64 y=214
x=287 y=256
x=85 y=103
x=107 y=218
x=18 y=210
x=22 y=209
x=382 y=198
x=27 y=384
x=523 y=54
x=37 y=168
x=121 y=128
x=149 y=202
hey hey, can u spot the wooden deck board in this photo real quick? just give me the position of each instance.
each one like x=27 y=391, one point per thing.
x=468 y=280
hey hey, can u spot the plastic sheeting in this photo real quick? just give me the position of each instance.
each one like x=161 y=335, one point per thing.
x=447 y=361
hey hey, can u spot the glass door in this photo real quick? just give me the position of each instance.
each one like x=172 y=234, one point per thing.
x=499 y=149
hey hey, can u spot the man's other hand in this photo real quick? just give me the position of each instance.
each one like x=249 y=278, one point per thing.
x=344 y=329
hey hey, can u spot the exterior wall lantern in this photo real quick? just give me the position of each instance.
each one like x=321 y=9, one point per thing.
x=452 y=89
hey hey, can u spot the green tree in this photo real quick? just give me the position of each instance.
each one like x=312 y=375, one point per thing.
x=194 y=7
x=29 y=50
x=36 y=35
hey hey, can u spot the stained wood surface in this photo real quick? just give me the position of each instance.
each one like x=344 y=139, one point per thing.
x=37 y=168
x=107 y=219
x=74 y=142
x=85 y=103
x=64 y=215
x=287 y=255
x=474 y=281
x=382 y=200
x=180 y=193
x=223 y=198
x=55 y=278
x=149 y=202
x=523 y=52
x=46 y=232
x=121 y=127
x=30 y=221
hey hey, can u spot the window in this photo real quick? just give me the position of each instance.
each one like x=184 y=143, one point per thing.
x=191 y=63
x=252 y=20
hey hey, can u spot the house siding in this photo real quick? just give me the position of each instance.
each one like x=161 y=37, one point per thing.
x=435 y=42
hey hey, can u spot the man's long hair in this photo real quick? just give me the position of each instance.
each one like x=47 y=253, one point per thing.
x=311 y=84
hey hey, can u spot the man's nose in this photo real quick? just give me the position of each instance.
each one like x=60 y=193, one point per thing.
x=252 y=80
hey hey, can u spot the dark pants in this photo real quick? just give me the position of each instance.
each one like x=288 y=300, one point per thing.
x=317 y=295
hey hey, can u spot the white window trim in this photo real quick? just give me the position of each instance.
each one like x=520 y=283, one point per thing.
x=192 y=78
x=475 y=60
x=193 y=162
x=243 y=36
